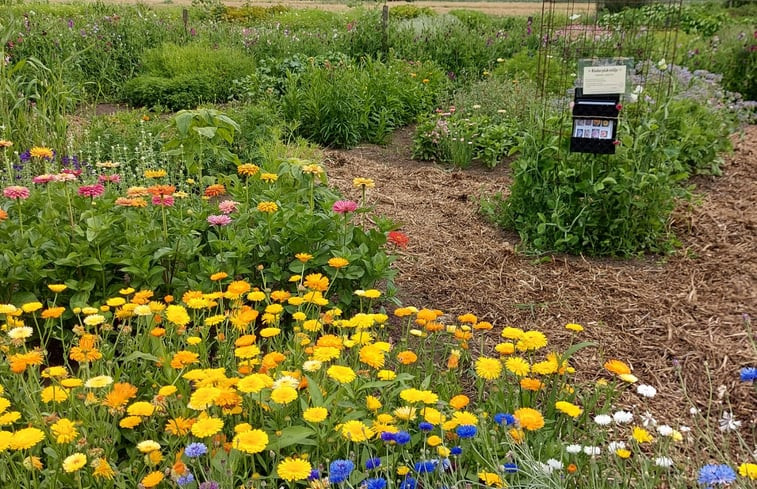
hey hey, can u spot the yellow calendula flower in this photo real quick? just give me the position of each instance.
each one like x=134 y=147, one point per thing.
x=252 y=441
x=356 y=431
x=488 y=368
x=574 y=327
x=283 y=394
x=64 y=430
x=57 y=288
x=315 y=414
x=74 y=462
x=294 y=469
x=342 y=374
x=641 y=435
x=568 y=408
x=372 y=403
x=338 y=262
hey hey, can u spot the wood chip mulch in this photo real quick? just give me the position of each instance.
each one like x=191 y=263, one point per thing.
x=679 y=317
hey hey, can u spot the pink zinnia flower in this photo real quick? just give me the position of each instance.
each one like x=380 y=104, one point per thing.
x=219 y=220
x=228 y=206
x=69 y=171
x=109 y=178
x=46 y=178
x=93 y=191
x=16 y=192
x=344 y=206
x=164 y=200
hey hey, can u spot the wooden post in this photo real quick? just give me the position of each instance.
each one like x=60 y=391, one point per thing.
x=185 y=18
x=384 y=30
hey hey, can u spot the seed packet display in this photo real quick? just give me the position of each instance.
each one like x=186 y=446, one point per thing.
x=593 y=129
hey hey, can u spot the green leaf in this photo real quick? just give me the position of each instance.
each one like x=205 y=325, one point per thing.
x=292 y=435
x=139 y=355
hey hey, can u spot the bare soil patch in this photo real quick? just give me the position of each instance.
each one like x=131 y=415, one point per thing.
x=663 y=314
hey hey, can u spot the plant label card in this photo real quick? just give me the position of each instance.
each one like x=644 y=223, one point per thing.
x=604 y=79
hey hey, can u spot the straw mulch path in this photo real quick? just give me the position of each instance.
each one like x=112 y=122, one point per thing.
x=662 y=314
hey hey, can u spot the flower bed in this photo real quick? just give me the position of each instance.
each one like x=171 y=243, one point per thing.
x=242 y=384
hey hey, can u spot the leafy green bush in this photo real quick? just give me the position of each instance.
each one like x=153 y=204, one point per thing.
x=599 y=205
x=610 y=204
x=344 y=104
x=181 y=92
x=410 y=12
x=473 y=19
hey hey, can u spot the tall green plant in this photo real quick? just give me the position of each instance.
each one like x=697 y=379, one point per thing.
x=200 y=136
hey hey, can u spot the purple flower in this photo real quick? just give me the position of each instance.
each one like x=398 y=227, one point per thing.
x=209 y=485
x=219 y=220
x=344 y=206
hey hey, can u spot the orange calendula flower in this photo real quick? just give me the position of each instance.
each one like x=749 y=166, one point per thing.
x=119 y=395
x=182 y=359
x=317 y=282
x=3 y=215
x=87 y=350
x=617 y=367
x=20 y=361
x=237 y=288
x=529 y=419
x=407 y=357
x=152 y=479
x=218 y=276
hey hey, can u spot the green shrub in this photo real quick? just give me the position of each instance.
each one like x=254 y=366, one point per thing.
x=473 y=19
x=598 y=205
x=179 y=77
x=397 y=12
x=341 y=105
x=180 y=92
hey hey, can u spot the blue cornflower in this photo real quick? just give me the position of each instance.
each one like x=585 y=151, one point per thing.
x=195 y=450
x=456 y=451
x=510 y=468
x=713 y=474
x=372 y=463
x=185 y=480
x=748 y=373
x=466 y=431
x=425 y=426
x=376 y=483
x=504 y=419
x=426 y=466
x=387 y=436
x=409 y=483
x=401 y=437
x=340 y=470
x=315 y=474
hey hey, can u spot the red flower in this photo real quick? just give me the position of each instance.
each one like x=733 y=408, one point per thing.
x=399 y=239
